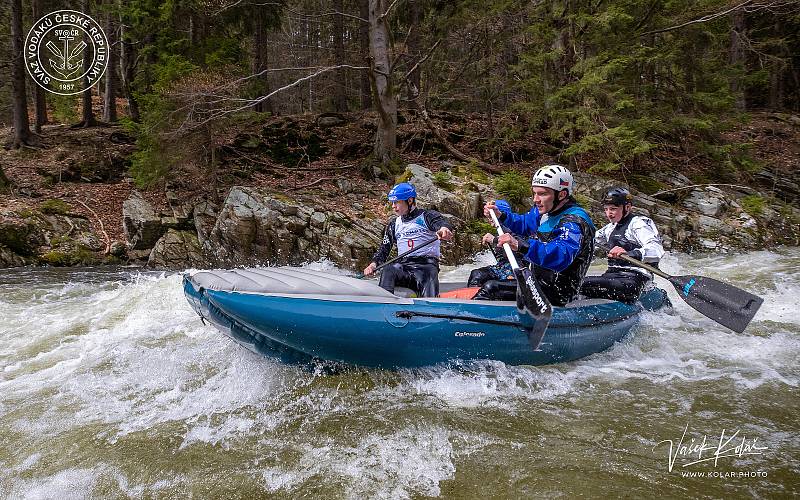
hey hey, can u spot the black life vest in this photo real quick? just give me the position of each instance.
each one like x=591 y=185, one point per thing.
x=561 y=287
x=617 y=239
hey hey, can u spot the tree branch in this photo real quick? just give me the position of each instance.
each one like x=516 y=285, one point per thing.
x=389 y=9
x=243 y=103
x=102 y=229
x=419 y=63
x=744 y=188
x=704 y=19
x=423 y=111
x=318 y=181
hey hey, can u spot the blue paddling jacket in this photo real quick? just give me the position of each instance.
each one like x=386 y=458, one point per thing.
x=559 y=244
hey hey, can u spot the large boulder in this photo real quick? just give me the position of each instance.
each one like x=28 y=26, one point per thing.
x=432 y=196
x=142 y=225
x=19 y=235
x=709 y=201
x=32 y=236
x=204 y=214
x=177 y=250
x=258 y=227
x=10 y=259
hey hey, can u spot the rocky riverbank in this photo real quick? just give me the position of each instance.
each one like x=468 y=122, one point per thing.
x=81 y=209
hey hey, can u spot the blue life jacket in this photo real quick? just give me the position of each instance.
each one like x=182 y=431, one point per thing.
x=560 y=247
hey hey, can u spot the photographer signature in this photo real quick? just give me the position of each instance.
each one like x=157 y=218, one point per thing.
x=698 y=451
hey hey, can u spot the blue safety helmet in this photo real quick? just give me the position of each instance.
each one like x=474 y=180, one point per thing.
x=402 y=191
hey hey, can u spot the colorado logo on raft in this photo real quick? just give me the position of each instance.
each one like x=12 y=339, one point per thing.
x=66 y=52
x=469 y=334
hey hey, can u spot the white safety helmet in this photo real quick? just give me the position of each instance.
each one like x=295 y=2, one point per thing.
x=554 y=177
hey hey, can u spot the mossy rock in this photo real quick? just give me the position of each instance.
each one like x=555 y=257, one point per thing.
x=57 y=241
x=283 y=197
x=347 y=223
x=475 y=174
x=471 y=187
x=54 y=207
x=478 y=226
x=79 y=255
x=753 y=204
x=443 y=180
x=584 y=201
x=404 y=177
x=647 y=185
x=16 y=238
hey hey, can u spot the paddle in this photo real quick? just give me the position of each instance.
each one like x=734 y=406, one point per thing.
x=726 y=304
x=530 y=299
x=378 y=268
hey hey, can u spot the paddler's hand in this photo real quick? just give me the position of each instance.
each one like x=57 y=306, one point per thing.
x=488 y=239
x=444 y=234
x=616 y=252
x=370 y=269
x=489 y=207
x=507 y=238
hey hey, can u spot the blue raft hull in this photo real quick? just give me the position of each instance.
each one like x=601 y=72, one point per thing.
x=379 y=333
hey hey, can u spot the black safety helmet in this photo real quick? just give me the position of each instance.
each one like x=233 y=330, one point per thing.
x=618 y=196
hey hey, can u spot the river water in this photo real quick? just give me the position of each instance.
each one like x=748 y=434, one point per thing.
x=110 y=386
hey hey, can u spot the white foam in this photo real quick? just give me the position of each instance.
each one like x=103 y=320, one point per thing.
x=404 y=464
x=68 y=484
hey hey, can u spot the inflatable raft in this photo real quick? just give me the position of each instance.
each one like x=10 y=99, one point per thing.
x=299 y=315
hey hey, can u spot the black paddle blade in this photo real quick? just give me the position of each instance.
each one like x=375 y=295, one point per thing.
x=532 y=303
x=726 y=304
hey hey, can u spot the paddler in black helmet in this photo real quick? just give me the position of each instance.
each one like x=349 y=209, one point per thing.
x=626 y=234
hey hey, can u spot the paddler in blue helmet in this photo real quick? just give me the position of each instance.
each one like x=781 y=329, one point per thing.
x=411 y=227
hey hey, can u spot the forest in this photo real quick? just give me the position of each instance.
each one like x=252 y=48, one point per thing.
x=608 y=84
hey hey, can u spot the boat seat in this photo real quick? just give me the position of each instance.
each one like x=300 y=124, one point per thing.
x=286 y=280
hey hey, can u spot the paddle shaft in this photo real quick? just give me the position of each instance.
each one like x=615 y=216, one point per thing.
x=654 y=270
x=531 y=301
x=509 y=253
x=378 y=268
x=639 y=263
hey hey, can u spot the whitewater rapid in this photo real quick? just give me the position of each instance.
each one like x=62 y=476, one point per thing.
x=111 y=386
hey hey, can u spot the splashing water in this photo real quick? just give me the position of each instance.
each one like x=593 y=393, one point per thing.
x=111 y=386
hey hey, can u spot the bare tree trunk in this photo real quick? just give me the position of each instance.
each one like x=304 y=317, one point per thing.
x=39 y=94
x=776 y=70
x=110 y=95
x=4 y=182
x=775 y=85
x=260 y=65
x=382 y=85
x=306 y=63
x=736 y=57
x=22 y=131
x=340 y=94
x=413 y=40
x=127 y=72
x=86 y=95
x=363 y=39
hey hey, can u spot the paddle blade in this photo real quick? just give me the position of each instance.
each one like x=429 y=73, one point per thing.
x=726 y=304
x=533 y=304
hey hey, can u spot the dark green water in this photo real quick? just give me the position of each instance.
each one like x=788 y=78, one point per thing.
x=111 y=387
